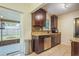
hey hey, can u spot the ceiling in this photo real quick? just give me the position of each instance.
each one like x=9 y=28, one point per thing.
x=61 y=8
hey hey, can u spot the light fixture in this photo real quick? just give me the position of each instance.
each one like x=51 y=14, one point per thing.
x=1 y=16
x=39 y=16
x=66 y=5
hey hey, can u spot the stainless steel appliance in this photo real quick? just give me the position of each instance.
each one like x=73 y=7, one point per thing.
x=47 y=43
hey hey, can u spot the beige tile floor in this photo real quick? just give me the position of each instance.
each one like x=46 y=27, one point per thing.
x=59 y=50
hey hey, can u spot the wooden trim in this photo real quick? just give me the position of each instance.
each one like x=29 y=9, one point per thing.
x=8 y=42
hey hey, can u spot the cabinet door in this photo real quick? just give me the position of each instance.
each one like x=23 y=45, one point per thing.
x=58 y=38
x=75 y=48
x=39 y=18
x=39 y=45
x=33 y=44
x=54 y=22
x=53 y=41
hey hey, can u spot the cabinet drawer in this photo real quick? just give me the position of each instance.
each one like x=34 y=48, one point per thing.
x=55 y=39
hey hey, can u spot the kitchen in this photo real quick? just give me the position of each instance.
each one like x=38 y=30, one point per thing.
x=44 y=39
x=52 y=26
x=50 y=30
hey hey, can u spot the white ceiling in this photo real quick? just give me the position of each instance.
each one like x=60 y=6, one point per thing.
x=59 y=8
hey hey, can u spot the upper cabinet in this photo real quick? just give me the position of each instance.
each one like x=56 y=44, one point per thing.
x=54 y=23
x=39 y=18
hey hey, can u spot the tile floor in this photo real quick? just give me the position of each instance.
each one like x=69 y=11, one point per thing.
x=59 y=50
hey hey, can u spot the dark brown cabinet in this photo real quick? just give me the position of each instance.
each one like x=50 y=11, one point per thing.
x=44 y=42
x=74 y=48
x=54 y=23
x=38 y=44
x=55 y=39
x=38 y=18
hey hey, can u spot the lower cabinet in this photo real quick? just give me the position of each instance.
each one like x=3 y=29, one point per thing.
x=39 y=45
x=74 y=48
x=42 y=43
x=55 y=39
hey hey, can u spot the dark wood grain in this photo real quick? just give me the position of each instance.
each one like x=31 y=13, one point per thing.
x=54 y=22
x=41 y=22
x=39 y=41
x=74 y=48
x=55 y=39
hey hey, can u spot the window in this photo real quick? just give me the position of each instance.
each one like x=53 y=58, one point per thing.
x=0 y=31
x=9 y=31
x=76 y=27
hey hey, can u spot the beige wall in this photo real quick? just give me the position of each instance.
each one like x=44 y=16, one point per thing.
x=66 y=26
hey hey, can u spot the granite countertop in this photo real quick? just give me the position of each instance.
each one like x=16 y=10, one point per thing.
x=43 y=33
x=75 y=40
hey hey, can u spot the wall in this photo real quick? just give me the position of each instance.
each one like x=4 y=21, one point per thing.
x=66 y=26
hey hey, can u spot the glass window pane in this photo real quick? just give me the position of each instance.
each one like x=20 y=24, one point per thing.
x=11 y=31
x=0 y=30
